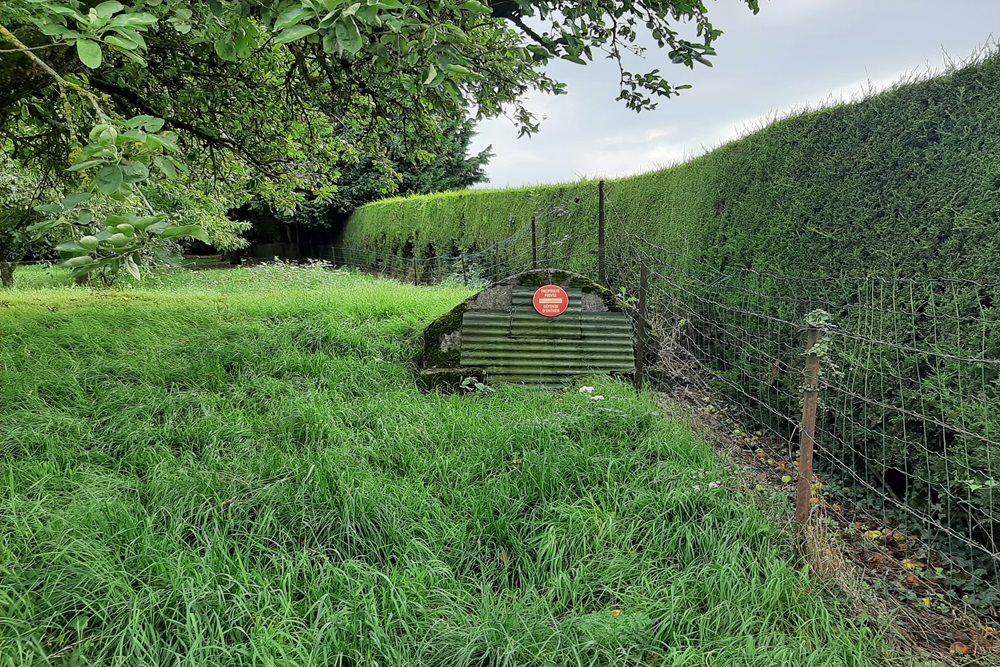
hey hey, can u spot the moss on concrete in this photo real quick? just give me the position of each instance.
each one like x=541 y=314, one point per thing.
x=431 y=354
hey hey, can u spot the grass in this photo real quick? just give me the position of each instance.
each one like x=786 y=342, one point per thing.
x=235 y=468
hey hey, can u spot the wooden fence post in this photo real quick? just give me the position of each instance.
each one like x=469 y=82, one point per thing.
x=465 y=276
x=534 y=245
x=602 y=269
x=416 y=280
x=640 y=328
x=810 y=406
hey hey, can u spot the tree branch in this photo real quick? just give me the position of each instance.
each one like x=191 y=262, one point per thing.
x=133 y=98
x=63 y=84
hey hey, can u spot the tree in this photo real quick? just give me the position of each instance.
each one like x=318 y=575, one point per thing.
x=450 y=168
x=20 y=191
x=271 y=97
x=447 y=165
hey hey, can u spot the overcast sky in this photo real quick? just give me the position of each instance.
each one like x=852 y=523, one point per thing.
x=793 y=54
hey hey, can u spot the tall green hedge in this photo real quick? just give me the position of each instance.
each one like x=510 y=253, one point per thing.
x=884 y=212
x=907 y=181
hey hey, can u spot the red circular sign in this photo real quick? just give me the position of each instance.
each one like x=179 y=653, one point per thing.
x=550 y=301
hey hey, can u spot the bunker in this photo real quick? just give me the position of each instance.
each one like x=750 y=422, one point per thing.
x=540 y=328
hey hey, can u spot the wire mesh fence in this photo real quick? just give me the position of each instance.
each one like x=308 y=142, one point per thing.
x=520 y=252
x=909 y=417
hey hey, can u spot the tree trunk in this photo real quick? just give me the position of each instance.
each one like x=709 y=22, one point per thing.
x=7 y=274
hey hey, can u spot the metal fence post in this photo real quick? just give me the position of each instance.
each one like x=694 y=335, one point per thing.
x=810 y=406
x=640 y=328
x=415 y=276
x=547 y=243
x=465 y=275
x=534 y=245
x=602 y=269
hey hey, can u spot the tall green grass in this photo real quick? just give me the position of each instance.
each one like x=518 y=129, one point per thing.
x=235 y=468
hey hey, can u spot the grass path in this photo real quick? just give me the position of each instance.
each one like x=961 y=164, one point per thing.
x=234 y=468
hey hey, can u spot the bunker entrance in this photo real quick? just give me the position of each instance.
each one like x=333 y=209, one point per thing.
x=540 y=328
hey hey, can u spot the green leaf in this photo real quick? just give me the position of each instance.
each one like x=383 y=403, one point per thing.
x=104 y=134
x=475 y=7
x=62 y=11
x=431 y=75
x=294 y=33
x=143 y=223
x=89 y=52
x=165 y=140
x=166 y=166
x=244 y=46
x=348 y=36
x=132 y=267
x=225 y=48
x=192 y=231
x=135 y=135
x=109 y=179
x=134 y=35
x=69 y=246
x=329 y=42
x=462 y=72
x=108 y=9
x=58 y=30
x=148 y=123
x=76 y=198
x=135 y=171
x=157 y=227
x=140 y=20
x=127 y=219
x=78 y=262
x=121 y=42
x=291 y=16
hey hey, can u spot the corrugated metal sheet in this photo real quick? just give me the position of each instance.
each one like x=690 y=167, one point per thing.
x=523 y=347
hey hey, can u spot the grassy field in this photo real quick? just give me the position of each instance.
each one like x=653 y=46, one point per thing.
x=235 y=468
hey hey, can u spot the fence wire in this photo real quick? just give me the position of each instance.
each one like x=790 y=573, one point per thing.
x=909 y=421
x=476 y=267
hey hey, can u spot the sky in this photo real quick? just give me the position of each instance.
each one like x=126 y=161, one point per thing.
x=792 y=55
